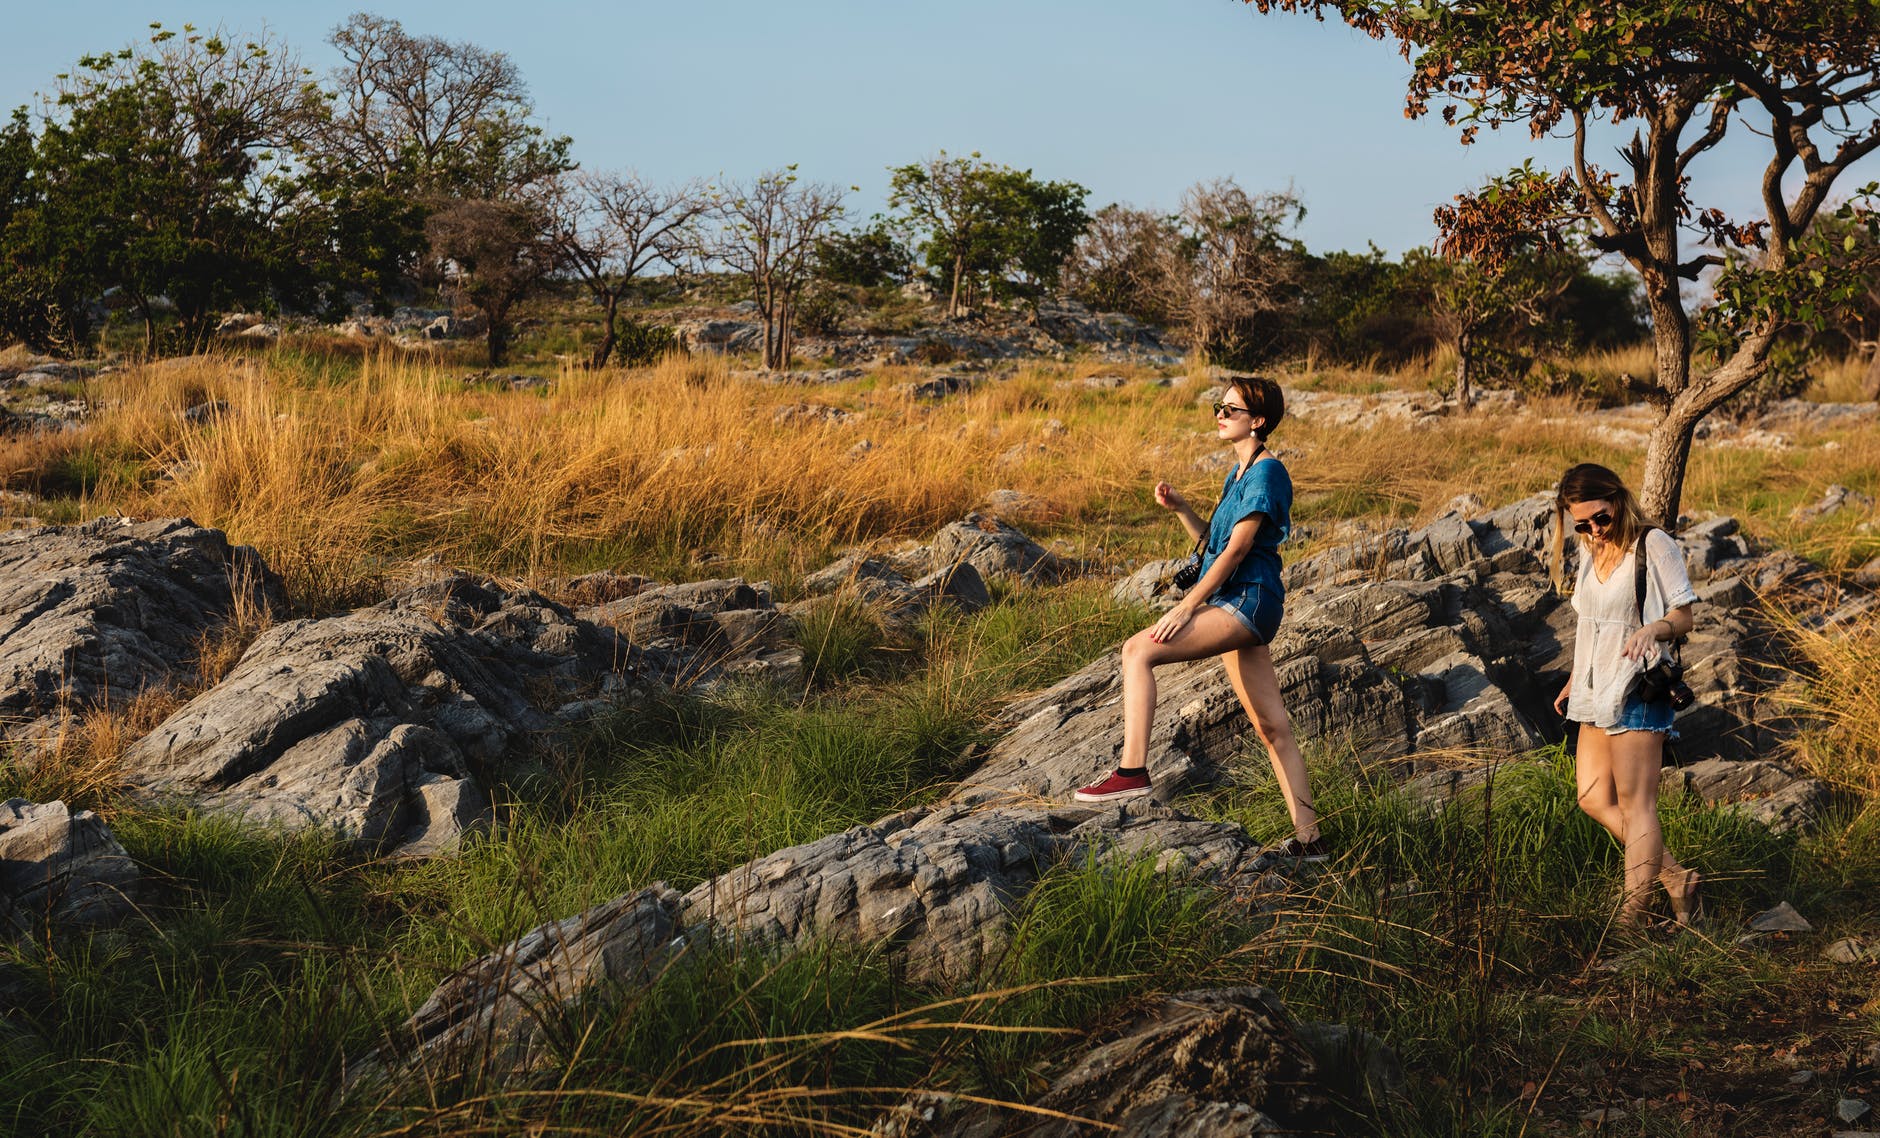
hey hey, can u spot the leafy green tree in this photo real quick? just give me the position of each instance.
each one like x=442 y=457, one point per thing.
x=410 y=124
x=45 y=275
x=1684 y=72
x=988 y=225
x=164 y=171
x=496 y=252
x=1495 y=308
x=866 y=258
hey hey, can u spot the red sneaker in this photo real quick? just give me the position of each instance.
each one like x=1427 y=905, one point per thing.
x=1120 y=785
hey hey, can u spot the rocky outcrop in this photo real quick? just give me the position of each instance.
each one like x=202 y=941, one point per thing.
x=91 y=615
x=940 y=884
x=506 y=1010
x=1214 y=1063
x=700 y=633
x=1765 y=792
x=59 y=870
x=900 y=603
x=376 y=723
x=996 y=549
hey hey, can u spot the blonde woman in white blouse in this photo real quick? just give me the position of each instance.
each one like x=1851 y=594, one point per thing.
x=1622 y=738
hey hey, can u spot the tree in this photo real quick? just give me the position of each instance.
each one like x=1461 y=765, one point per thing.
x=170 y=164
x=411 y=123
x=608 y=228
x=1113 y=265
x=430 y=117
x=1682 y=73
x=1498 y=307
x=982 y=222
x=45 y=275
x=865 y=258
x=1229 y=268
x=496 y=252
x=766 y=232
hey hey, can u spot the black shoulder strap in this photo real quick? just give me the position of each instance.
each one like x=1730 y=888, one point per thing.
x=1639 y=557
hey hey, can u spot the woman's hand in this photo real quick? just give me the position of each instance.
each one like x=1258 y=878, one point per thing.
x=1169 y=498
x=1560 y=701
x=1172 y=622
x=1643 y=644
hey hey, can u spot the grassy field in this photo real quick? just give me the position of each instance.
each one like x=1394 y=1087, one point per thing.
x=1475 y=941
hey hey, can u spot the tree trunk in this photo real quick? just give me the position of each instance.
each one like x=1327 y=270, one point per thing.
x=611 y=336
x=1870 y=380
x=959 y=272
x=498 y=339
x=1465 y=358
x=1669 y=451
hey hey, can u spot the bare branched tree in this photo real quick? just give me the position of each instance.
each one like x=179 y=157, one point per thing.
x=442 y=117
x=1228 y=265
x=609 y=227
x=766 y=232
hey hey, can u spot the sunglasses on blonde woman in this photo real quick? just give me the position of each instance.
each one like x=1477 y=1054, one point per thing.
x=1602 y=519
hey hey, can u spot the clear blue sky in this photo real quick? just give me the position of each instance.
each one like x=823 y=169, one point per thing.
x=1135 y=99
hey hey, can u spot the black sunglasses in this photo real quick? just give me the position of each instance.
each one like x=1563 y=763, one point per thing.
x=1230 y=410
x=1602 y=519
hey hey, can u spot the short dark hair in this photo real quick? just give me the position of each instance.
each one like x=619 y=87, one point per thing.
x=1264 y=400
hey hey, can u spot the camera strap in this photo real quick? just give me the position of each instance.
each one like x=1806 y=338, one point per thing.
x=1640 y=559
x=1207 y=530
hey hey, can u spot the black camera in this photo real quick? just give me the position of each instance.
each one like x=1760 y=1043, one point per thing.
x=1664 y=681
x=1190 y=572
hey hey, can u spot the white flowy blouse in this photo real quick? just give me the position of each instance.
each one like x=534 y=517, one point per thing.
x=1609 y=615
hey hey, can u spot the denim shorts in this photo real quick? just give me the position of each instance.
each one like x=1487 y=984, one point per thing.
x=1638 y=715
x=1259 y=609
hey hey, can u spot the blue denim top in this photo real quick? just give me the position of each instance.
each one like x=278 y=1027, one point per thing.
x=1267 y=489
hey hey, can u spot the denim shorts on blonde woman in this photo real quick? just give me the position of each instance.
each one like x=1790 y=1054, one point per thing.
x=1637 y=715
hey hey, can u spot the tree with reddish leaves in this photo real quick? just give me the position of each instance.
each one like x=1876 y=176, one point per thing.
x=1683 y=74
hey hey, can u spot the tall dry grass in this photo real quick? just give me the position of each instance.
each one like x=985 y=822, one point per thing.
x=340 y=470
x=1836 y=696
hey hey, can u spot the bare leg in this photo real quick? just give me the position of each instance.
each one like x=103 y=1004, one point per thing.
x=1210 y=633
x=1617 y=778
x=1250 y=670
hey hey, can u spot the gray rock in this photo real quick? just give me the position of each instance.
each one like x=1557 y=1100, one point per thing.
x=1766 y=792
x=1152 y=585
x=60 y=870
x=996 y=549
x=94 y=614
x=939 y=386
x=362 y=723
x=1833 y=500
x=1851 y=1110
x=813 y=414
x=506 y=1010
x=1217 y=1062
x=940 y=882
x=1781 y=919
x=1849 y=950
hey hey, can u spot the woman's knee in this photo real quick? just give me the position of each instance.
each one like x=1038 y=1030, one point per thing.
x=1273 y=728
x=1140 y=649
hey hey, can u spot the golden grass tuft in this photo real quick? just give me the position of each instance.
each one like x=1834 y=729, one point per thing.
x=1837 y=699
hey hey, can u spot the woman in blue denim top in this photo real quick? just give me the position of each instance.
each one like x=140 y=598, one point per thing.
x=1232 y=612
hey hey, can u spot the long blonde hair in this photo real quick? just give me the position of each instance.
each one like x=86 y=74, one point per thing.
x=1591 y=482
